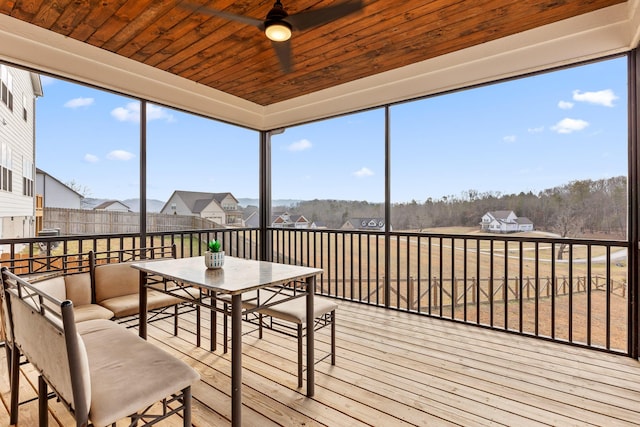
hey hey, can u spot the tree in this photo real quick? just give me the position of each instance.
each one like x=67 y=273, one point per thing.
x=83 y=190
x=569 y=222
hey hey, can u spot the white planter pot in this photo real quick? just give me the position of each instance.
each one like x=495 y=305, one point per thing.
x=214 y=259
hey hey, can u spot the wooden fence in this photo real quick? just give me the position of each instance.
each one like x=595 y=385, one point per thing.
x=438 y=291
x=84 y=221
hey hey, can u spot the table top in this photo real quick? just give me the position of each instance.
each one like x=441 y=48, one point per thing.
x=237 y=276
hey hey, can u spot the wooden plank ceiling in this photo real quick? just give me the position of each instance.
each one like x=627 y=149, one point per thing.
x=238 y=59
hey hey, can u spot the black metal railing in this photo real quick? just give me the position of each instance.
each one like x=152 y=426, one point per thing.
x=566 y=290
x=68 y=253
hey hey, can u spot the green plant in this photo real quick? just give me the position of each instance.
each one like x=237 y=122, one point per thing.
x=214 y=245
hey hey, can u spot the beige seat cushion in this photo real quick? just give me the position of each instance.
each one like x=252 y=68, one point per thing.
x=78 y=288
x=86 y=312
x=115 y=280
x=54 y=287
x=128 y=305
x=294 y=310
x=127 y=372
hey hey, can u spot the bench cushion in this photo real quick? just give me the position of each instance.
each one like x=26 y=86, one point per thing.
x=54 y=287
x=120 y=389
x=129 y=305
x=82 y=313
x=115 y=280
x=78 y=287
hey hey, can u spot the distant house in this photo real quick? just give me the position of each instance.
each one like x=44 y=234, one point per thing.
x=369 y=224
x=251 y=219
x=505 y=222
x=221 y=208
x=286 y=220
x=251 y=216
x=55 y=193
x=112 y=205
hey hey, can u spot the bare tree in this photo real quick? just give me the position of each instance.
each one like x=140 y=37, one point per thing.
x=83 y=190
x=568 y=223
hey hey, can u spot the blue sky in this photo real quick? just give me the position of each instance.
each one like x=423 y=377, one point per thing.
x=522 y=135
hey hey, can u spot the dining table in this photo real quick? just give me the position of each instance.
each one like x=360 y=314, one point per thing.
x=235 y=278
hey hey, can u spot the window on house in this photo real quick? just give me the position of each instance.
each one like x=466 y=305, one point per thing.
x=10 y=91
x=6 y=173
x=27 y=177
x=24 y=107
x=4 y=90
x=6 y=87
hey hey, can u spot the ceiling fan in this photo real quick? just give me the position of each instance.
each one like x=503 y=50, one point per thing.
x=278 y=25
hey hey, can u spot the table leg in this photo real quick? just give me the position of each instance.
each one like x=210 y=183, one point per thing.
x=213 y=342
x=142 y=325
x=236 y=360
x=311 y=285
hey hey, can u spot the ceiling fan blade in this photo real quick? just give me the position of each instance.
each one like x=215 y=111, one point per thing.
x=227 y=15
x=283 y=51
x=305 y=20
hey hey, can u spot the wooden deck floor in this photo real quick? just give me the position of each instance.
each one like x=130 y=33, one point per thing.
x=396 y=369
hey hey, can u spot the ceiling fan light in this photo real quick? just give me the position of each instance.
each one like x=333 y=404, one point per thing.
x=278 y=31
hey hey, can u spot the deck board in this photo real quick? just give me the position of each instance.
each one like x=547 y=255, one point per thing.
x=395 y=368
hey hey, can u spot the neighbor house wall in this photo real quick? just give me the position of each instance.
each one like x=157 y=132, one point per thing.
x=17 y=153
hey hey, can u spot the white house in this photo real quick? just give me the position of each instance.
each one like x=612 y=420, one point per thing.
x=19 y=90
x=505 y=222
x=55 y=193
x=113 y=206
x=286 y=220
x=371 y=224
x=221 y=208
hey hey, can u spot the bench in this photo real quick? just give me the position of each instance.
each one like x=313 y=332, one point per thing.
x=77 y=289
x=287 y=316
x=74 y=287
x=116 y=287
x=100 y=370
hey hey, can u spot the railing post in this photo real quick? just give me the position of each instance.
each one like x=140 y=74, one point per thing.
x=454 y=292
x=410 y=294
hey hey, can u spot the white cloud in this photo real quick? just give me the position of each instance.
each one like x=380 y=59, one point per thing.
x=602 y=97
x=131 y=113
x=158 y=113
x=565 y=105
x=363 y=172
x=91 y=158
x=509 y=138
x=538 y=129
x=570 y=125
x=126 y=114
x=79 y=102
x=120 y=155
x=301 y=145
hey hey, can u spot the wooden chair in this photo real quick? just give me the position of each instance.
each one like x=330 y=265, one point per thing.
x=100 y=370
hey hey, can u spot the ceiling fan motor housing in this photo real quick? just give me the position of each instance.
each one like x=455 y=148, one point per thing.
x=275 y=26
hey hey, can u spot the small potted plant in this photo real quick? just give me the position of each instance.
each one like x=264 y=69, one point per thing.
x=214 y=257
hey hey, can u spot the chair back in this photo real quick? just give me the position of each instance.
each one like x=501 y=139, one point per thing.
x=43 y=329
